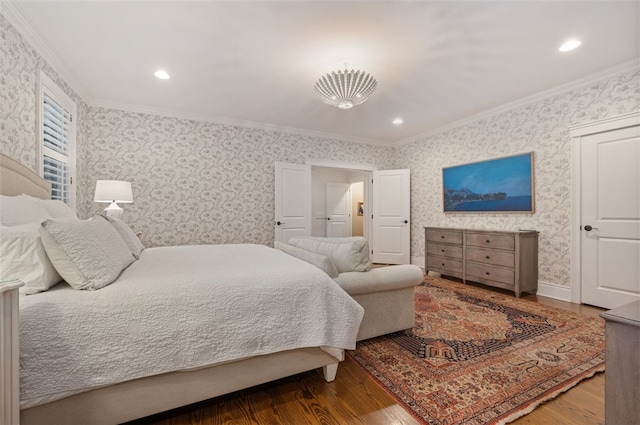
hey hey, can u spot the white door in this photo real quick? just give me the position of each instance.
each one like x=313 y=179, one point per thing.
x=610 y=222
x=391 y=217
x=338 y=210
x=293 y=203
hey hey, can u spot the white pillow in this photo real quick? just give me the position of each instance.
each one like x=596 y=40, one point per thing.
x=348 y=254
x=23 y=257
x=130 y=238
x=320 y=261
x=21 y=209
x=57 y=209
x=88 y=254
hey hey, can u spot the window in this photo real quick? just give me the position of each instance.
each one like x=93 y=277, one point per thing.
x=57 y=140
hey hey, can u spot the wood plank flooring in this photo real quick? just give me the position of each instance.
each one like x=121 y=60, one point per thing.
x=353 y=398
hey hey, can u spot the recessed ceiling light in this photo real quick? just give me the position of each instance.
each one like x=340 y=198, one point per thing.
x=162 y=74
x=570 y=45
x=398 y=121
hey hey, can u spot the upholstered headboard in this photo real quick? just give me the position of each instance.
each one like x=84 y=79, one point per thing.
x=16 y=179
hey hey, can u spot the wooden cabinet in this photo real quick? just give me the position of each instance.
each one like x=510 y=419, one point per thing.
x=622 y=362
x=507 y=260
x=444 y=252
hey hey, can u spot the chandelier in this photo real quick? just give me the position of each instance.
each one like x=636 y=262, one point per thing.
x=345 y=89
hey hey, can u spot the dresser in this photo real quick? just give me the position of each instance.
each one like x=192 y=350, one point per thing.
x=502 y=259
x=622 y=363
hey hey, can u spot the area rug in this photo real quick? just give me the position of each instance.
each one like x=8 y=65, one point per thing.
x=480 y=357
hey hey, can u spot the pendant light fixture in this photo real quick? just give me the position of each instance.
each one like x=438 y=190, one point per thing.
x=345 y=89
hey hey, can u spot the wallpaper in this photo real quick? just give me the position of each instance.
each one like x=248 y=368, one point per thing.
x=541 y=127
x=197 y=182
x=20 y=67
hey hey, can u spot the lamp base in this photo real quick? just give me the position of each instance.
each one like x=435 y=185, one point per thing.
x=114 y=210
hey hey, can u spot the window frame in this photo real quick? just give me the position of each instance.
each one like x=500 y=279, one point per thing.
x=47 y=87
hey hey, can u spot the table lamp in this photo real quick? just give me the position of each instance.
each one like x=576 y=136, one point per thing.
x=112 y=192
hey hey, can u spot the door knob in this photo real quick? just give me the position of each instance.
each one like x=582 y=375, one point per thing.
x=589 y=228
x=329 y=218
x=406 y=221
x=279 y=223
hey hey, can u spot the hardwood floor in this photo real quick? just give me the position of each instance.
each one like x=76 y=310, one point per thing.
x=353 y=398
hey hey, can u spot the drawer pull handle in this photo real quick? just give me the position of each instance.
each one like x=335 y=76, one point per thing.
x=488 y=241
x=442 y=236
x=487 y=257
x=442 y=250
x=487 y=273
x=443 y=264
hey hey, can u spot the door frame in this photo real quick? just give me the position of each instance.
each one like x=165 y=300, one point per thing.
x=577 y=132
x=367 y=169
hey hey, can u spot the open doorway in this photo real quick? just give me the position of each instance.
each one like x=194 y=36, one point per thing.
x=385 y=206
x=338 y=202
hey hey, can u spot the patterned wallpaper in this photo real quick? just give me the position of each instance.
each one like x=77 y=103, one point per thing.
x=20 y=67
x=197 y=182
x=193 y=182
x=541 y=127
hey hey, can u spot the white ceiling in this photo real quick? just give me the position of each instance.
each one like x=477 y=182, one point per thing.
x=256 y=62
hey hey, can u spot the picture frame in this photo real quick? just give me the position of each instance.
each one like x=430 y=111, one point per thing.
x=500 y=185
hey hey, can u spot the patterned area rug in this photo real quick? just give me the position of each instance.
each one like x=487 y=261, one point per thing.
x=480 y=357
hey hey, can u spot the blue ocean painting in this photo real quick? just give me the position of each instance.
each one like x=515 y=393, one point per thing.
x=504 y=184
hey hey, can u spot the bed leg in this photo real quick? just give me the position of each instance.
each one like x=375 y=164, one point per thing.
x=329 y=371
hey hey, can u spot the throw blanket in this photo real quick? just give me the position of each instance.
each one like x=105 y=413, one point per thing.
x=179 y=308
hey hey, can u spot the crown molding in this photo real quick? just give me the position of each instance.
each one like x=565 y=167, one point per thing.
x=103 y=103
x=632 y=65
x=14 y=14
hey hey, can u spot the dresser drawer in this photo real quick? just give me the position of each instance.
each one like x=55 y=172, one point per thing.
x=444 y=265
x=443 y=250
x=493 y=257
x=485 y=271
x=444 y=235
x=492 y=240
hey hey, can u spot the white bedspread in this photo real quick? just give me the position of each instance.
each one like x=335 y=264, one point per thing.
x=179 y=308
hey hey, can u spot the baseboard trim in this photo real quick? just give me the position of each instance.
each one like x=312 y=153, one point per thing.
x=555 y=291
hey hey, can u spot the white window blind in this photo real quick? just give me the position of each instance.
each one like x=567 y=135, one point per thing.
x=58 y=147
x=56 y=126
x=57 y=172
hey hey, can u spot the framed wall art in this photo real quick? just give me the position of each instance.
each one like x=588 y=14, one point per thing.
x=496 y=185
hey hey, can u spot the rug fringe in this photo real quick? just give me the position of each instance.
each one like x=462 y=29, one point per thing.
x=536 y=403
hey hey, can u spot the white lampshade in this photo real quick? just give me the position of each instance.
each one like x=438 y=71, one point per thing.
x=113 y=191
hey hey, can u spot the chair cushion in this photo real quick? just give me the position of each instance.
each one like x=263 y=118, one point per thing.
x=320 y=261
x=348 y=254
x=380 y=279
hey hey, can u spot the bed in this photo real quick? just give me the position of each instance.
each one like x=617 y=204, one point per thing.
x=218 y=292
